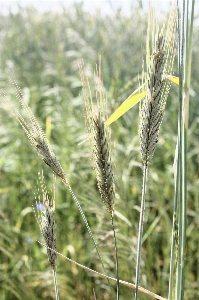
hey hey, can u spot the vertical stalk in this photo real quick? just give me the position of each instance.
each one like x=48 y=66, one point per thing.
x=55 y=284
x=91 y=235
x=99 y=145
x=180 y=266
x=140 y=230
x=116 y=259
x=184 y=162
x=178 y=181
x=185 y=115
x=174 y=242
x=185 y=54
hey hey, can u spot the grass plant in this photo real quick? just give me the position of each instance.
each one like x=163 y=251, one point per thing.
x=38 y=140
x=159 y=63
x=178 y=249
x=52 y=109
x=99 y=137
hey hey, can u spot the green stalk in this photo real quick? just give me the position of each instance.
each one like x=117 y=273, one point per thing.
x=174 y=242
x=180 y=199
x=189 y=32
x=116 y=258
x=140 y=230
x=55 y=284
x=91 y=235
x=182 y=225
x=188 y=45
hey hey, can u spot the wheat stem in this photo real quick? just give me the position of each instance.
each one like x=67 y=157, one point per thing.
x=140 y=230
x=128 y=284
x=180 y=266
x=152 y=108
x=174 y=242
x=116 y=258
x=55 y=284
x=99 y=146
x=90 y=232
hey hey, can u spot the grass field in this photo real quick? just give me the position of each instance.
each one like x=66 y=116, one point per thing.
x=41 y=51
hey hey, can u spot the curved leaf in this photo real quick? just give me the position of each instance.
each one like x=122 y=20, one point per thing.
x=125 y=106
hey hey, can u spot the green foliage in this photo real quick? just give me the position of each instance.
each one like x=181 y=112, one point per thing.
x=40 y=52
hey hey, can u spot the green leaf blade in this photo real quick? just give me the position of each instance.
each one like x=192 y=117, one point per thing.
x=125 y=106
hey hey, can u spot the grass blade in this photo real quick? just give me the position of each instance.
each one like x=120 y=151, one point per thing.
x=132 y=100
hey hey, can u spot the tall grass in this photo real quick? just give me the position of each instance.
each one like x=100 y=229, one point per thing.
x=159 y=63
x=52 y=88
x=185 y=30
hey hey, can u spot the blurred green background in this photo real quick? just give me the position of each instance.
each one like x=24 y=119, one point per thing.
x=41 y=52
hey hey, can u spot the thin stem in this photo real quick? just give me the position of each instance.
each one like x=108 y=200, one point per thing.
x=183 y=162
x=116 y=258
x=55 y=284
x=140 y=230
x=128 y=284
x=90 y=233
x=181 y=249
x=179 y=293
x=187 y=62
x=189 y=51
x=174 y=242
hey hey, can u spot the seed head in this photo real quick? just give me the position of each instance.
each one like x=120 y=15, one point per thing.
x=152 y=107
x=35 y=134
x=46 y=219
x=102 y=161
x=98 y=137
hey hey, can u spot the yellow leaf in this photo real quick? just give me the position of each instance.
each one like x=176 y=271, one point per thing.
x=175 y=80
x=125 y=106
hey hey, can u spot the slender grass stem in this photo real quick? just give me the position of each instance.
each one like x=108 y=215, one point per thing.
x=140 y=230
x=55 y=284
x=90 y=233
x=185 y=53
x=116 y=258
x=128 y=284
x=174 y=241
x=182 y=227
x=183 y=209
x=187 y=75
x=99 y=145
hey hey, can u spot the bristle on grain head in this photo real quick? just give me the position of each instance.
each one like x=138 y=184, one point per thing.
x=95 y=115
x=102 y=162
x=45 y=216
x=155 y=70
x=152 y=107
x=36 y=135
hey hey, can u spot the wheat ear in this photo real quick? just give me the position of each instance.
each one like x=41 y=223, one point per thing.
x=35 y=134
x=159 y=65
x=102 y=160
x=38 y=140
x=99 y=138
x=152 y=108
x=46 y=221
